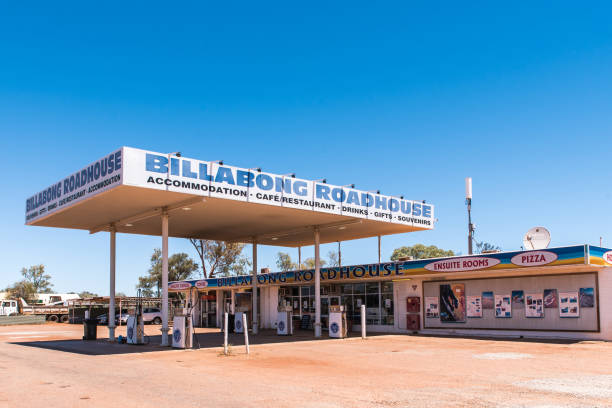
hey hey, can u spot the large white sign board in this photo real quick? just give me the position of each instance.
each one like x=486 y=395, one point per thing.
x=146 y=169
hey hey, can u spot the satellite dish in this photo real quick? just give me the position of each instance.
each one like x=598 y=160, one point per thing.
x=536 y=238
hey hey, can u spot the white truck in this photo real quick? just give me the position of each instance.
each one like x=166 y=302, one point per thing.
x=52 y=313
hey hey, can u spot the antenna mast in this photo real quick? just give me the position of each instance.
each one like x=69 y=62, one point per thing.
x=468 y=202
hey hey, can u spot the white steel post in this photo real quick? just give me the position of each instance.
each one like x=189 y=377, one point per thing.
x=363 y=321
x=254 y=283
x=379 y=249
x=317 y=325
x=164 y=328
x=111 y=302
x=246 y=332
x=225 y=324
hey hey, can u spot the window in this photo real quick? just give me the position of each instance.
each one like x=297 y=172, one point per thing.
x=376 y=296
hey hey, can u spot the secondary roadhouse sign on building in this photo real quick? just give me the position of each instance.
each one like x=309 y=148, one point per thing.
x=141 y=168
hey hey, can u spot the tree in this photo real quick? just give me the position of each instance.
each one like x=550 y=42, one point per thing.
x=221 y=258
x=309 y=263
x=22 y=289
x=334 y=258
x=420 y=251
x=120 y=294
x=284 y=262
x=180 y=267
x=87 y=294
x=38 y=278
x=485 y=246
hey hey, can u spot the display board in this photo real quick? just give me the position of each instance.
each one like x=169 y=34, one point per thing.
x=534 y=305
x=568 y=304
x=431 y=307
x=503 y=307
x=474 y=306
x=508 y=313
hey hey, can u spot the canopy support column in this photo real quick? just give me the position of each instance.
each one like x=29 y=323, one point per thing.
x=254 y=283
x=317 y=325
x=111 y=302
x=379 y=249
x=164 y=328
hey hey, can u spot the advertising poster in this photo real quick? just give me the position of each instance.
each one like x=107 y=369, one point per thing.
x=518 y=296
x=550 y=299
x=568 y=304
x=474 y=306
x=487 y=300
x=587 y=297
x=431 y=307
x=452 y=302
x=534 y=305
x=503 y=306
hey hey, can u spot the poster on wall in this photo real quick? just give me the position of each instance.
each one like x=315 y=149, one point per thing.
x=487 y=300
x=534 y=305
x=431 y=307
x=587 y=297
x=518 y=297
x=503 y=306
x=568 y=304
x=474 y=306
x=550 y=299
x=452 y=302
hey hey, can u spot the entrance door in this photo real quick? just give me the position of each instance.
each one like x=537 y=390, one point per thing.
x=208 y=307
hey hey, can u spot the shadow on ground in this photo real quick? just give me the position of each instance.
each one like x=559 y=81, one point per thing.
x=207 y=340
x=210 y=340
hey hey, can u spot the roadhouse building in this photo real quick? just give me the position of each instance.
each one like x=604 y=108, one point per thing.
x=556 y=292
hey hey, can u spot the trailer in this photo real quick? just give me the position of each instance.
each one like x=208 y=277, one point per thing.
x=52 y=313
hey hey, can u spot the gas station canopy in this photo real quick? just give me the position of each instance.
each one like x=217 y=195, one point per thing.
x=129 y=189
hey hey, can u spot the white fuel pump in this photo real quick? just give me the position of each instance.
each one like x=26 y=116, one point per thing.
x=338 y=327
x=182 y=328
x=284 y=321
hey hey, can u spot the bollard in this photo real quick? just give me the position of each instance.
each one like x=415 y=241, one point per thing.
x=246 y=332
x=363 y=322
x=225 y=334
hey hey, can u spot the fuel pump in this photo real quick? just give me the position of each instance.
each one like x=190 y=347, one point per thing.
x=135 y=323
x=182 y=328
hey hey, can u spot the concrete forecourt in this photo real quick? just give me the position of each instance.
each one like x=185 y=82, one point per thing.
x=48 y=365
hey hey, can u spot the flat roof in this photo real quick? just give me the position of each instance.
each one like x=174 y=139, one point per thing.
x=129 y=188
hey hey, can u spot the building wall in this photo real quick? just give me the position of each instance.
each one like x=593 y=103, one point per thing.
x=605 y=303
x=551 y=320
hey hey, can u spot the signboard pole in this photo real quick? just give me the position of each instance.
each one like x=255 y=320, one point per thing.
x=317 y=284
x=111 y=303
x=254 y=297
x=164 y=328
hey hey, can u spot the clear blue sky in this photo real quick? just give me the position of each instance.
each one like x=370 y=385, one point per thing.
x=406 y=98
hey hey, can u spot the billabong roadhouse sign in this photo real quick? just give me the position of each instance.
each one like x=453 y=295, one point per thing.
x=402 y=270
x=140 y=168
